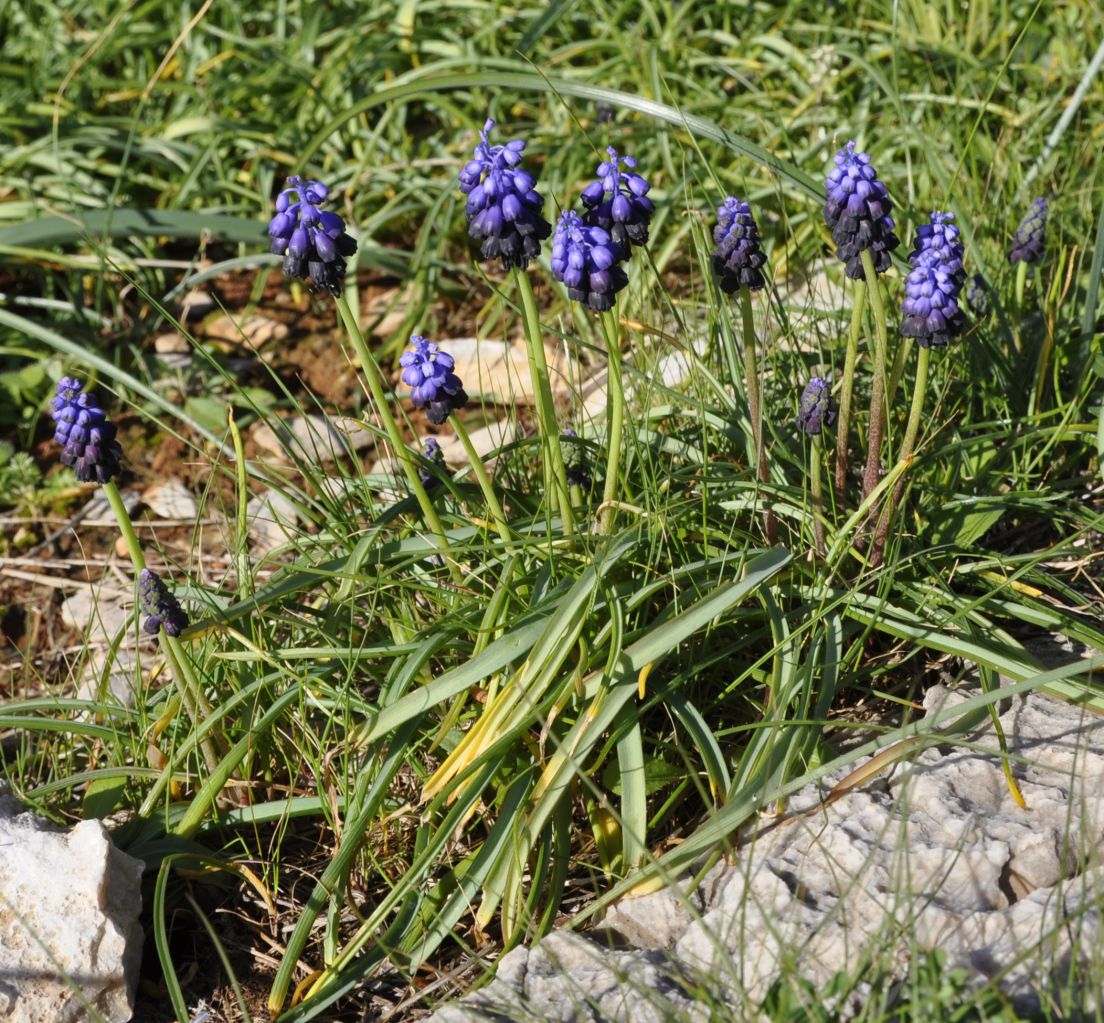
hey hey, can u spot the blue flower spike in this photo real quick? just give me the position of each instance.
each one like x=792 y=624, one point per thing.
x=86 y=435
x=857 y=213
x=577 y=470
x=313 y=241
x=164 y=610
x=931 y=311
x=817 y=408
x=977 y=295
x=503 y=206
x=618 y=202
x=1030 y=238
x=587 y=261
x=428 y=372
x=739 y=254
x=432 y=457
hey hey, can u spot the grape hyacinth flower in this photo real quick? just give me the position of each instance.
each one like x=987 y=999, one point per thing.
x=432 y=456
x=313 y=242
x=739 y=255
x=1030 y=237
x=164 y=610
x=618 y=202
x=587 y=261
x=977 y=295
x=937 y=244
x=433 y=385
x=857 y=213
x=932 y=314
x=503 y=206
x=578 y=472
x=86 y=435
x=817 y=408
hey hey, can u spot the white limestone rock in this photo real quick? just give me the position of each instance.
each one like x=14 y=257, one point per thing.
x=69 y=905
x=936 y=856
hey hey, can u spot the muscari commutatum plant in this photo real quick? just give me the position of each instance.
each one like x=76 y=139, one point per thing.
x=89 y=446
x=1028 y=247
x=435 y=387
x=816 y=410
x=315 y=244
x=737 y=264
x=504 y=213
x=932 y=317
x=587 y=253
x=857 y=211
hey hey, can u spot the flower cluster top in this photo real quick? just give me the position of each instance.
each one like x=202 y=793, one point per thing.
x=931 y=311
x=503 y=206
x=428 y=372
x=164 y=610
x=817 y=409
x=857 y=211
x=86 y=435
x=1030 y=237
x=739 y=253
x=617 y=201
x=313 y=241
x=587 y=260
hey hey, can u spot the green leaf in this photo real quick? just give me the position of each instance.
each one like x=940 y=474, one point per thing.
x=44 y=232
x=210 y=413
x=963 y=524
x=102 y=797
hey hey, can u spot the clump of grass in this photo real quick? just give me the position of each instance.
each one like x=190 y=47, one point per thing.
x=503 y=688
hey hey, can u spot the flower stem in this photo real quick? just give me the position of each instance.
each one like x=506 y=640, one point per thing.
x=908 y=445
x=383 y=410
x=816 y=492
x=876 y=427
x=755 y=409
x=191 y=692
x=615 y=415
x=847 y=386
x=484 y=482
x=546 y=407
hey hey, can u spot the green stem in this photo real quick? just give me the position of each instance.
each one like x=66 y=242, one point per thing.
x=816 y=492
x=755 y=409
x=847 y=385
x=484 y=482
x=191 y=692
x=546 y=407
x=1017 y=317
x=908 y=446
x=615 y=414
x=873 y=473
x=402 y=452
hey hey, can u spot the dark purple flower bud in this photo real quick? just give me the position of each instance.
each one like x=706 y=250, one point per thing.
x=576 y=469
x=428 y=372
x=817 y=409
x=857 y=213
x=1030 y=237
x=313 y=242
x=618 y=202
x=586 y=260
x=164 y=610
x=433 y=457
x=977 y=295
x=739 y=255
x=503 y=207
x=932 y=314
x=86 y=435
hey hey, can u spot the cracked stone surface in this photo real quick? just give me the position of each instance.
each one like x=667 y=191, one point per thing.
x=934 y=854
x=69 y=931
